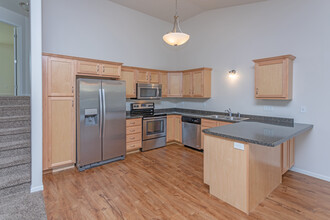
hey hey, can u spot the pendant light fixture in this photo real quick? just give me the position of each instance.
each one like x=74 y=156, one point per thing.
x=176 y=37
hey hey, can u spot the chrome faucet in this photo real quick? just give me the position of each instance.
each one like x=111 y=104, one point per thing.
x=229 y=112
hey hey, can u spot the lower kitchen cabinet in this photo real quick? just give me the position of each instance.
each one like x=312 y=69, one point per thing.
x=133 y=134
x=287 y=156
x=206 y=124
x=60 y=143
x=174 y=128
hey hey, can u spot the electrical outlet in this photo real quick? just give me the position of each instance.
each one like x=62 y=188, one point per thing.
x=238 y=146
x=303 y=109
x=268 y=108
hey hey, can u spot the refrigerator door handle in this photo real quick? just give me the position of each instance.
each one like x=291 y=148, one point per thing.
x=101 y=112
x=103 y=117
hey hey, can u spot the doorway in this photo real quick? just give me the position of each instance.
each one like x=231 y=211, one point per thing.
x=8 y=60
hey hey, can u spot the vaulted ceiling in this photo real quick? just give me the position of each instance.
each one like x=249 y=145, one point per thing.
x=165 y=9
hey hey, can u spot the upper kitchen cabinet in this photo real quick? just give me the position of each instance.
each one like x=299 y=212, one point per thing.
x=60 y=76
x=98 y=68
x=273 y=77
x=147 y=76
x=197 y=83
x=129 y=75
x=163 y=80
x=187 y=86
x=174 y=84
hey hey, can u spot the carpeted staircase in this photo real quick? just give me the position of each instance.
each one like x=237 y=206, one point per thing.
x=15 y=162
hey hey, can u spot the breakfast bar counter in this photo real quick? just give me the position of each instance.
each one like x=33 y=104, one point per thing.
x=244 y=162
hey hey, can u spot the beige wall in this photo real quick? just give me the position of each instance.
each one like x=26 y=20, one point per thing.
x=7 y=78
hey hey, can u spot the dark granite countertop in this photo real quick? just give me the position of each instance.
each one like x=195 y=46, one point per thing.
x=259 y=133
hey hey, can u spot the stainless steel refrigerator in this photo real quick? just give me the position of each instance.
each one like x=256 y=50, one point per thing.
x=101 y=126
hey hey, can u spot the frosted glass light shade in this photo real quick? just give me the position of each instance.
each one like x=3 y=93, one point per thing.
x=176 y=38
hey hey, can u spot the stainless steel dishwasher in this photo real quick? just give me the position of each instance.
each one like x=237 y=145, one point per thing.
x=191 y=132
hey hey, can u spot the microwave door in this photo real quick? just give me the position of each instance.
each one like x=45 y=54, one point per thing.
x=148 y=93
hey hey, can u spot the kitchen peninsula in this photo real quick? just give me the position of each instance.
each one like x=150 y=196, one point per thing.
x=243 y=162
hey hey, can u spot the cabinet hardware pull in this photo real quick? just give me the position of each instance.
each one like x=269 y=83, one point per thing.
x=257 y=91
x=72 y=89
x=98 y=68
x=72 y=103
x=103 y=69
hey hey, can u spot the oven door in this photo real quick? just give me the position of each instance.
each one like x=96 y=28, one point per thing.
x=154 y=127
x=149 y=91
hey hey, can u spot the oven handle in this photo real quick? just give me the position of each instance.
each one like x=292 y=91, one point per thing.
x=153 y=118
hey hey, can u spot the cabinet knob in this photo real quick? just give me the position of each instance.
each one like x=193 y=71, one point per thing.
x=98 y=68
x=103 y=69
x=257 y=91
x=72 y=89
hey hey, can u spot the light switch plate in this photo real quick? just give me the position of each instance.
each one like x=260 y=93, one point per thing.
x=238 y=146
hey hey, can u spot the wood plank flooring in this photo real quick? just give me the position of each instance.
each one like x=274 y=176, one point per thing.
x=167 y=183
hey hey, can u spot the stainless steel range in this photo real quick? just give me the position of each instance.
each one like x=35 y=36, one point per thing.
x=153 y=126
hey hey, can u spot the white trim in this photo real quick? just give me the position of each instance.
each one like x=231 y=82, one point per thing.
x=37 y=189
x=312 y=174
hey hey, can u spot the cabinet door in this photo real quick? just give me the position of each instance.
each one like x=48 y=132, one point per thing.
x=202 y=136
x=178 y=129
x=154 y=77
x=170 y=128
x=88 y=68
x=291 y=153
x=198 y=84
x=285 y=157
x=142 y=77
x=270 y=79
x=61 y=131
x=129 y=77
x=174 y=85
x=187 y=84
x=111 y=70
x=163 y=81
x=60 y=75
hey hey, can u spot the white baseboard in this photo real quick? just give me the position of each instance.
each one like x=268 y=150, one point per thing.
x=37 y=189
x=308 y=173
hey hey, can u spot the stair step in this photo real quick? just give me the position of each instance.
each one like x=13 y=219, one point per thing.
x=15 y=137
x=14 y=110
x=13 y=131
x=15 y=190
x=15 y=159
x=15 y=145
x=16 y=175
x=14 y=123
x=14 y=100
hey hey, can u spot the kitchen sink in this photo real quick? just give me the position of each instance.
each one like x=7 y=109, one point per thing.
x=228 y=118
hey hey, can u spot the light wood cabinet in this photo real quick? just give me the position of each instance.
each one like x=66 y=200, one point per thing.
x=174 y=128
x=187 y=84
x=147 y=76
x=163 y=78
x=196 y=83
x=111 y=70
x=206 y=124
x=287 y=155
x=61 y=78
x=273 y=77
x=154 y=77
x=129 y=75
x=133 y=134
x=61 y=131
x=174 y=84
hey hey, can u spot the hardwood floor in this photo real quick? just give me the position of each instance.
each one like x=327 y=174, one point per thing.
x=167 y=183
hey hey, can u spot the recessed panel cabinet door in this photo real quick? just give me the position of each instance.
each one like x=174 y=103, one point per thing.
x=61 y=79
x=130 y=78
x=174 y=85
x=163 y=80
x=270 y=80
x=142 y=77
x=154 y=77
x=111 y=70
x=198 y=84
x=88 y=68
x=61 y=131
x=187 y=84
x=170 y=136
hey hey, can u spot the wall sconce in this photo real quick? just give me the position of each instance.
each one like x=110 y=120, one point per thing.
x=233 y=74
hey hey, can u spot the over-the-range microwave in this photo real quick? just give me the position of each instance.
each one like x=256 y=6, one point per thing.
x=148 y=91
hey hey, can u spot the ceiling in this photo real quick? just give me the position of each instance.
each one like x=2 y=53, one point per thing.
x=6 y=34
x=13 y=5
x=165 y=9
